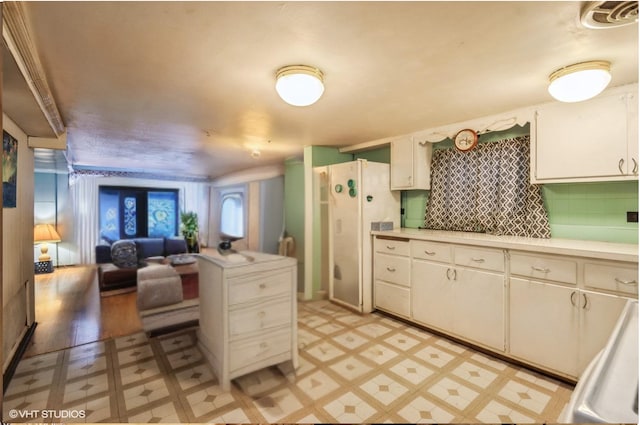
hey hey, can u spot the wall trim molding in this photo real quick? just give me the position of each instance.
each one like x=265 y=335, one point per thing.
x=17 y=36
x=17 y=356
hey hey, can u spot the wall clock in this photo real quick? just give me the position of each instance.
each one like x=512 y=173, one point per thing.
x=466 y=140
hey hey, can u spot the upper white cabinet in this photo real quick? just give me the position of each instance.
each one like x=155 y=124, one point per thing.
x=595 y=140
x=410 y=164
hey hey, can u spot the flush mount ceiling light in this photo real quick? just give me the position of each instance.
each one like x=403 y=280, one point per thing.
x=299 y=85
x=580 y=81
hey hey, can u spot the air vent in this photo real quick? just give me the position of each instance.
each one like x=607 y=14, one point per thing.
x=609 y=14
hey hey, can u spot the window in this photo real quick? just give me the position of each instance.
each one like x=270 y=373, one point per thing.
x=130 y=212
x=232 y=215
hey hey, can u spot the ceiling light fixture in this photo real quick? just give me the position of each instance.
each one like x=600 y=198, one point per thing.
x=299 y=85
x=581 y=81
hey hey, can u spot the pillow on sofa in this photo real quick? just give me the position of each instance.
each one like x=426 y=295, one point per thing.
x=173 y=246
x=123 y=254
x=150 y=247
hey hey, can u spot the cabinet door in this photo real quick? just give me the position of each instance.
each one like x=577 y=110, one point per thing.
x=432 y=294
x=402 y=164
x=543 y=324
x=583 y=139
x=598 y=316
x=479 y=301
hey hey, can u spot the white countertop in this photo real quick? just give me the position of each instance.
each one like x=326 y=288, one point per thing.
x=240 y=258
x=573 y=247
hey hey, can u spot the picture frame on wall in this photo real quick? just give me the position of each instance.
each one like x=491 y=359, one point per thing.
x=9 y=170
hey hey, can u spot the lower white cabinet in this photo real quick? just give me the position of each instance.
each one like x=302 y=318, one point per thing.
x=464 y=302
x=598 y=316
x=391 y=270
x=393 y=298
x=543 y=324
x=557 y=327
x=545 y=309
x=432 y=297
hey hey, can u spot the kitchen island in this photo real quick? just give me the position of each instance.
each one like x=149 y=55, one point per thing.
x=248 y=312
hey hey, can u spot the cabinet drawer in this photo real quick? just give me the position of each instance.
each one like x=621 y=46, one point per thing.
x=392 y=246
x=392 y=298
x=612 y=277
x=262 y=316
x=428 y=250
x=393 y=269
x=261 y=286
x=479 y=258
x=255 y=350
x=539 y=267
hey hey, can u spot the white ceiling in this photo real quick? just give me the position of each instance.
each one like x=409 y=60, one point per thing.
x=187 y=88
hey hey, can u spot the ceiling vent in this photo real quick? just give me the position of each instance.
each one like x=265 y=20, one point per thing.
x=608 y=14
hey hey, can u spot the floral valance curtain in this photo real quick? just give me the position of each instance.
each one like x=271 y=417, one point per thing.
x=486 y=190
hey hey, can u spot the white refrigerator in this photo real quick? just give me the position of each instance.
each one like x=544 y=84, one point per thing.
x=359 y=194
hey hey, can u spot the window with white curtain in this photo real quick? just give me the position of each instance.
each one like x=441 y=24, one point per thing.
x=232 y=214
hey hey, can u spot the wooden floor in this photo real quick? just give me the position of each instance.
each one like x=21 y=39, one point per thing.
x=70 y=311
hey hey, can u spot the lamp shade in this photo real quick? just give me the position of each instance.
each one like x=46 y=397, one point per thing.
x=581 y=81
x=45 y=233
x=299 y=85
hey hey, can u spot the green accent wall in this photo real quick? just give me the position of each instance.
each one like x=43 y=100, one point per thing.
x=294 y=210
x=592 y=211
x=325 y=155
x=375 y=155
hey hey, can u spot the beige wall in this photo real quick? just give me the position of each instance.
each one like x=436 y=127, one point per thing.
x=17 y=245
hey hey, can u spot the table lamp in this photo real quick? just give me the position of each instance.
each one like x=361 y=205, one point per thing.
x=42 y=234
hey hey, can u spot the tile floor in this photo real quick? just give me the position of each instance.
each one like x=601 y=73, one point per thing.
x=353 y=369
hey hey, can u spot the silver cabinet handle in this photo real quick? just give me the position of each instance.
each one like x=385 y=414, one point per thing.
x=573 y=301
x=540 y=269
x=478 y=260
x=620 y=164
x=455 y=274
x=391 y=269
x=627 y=282
x=448 y=271
x=585 y=300
x=635 y=166
x=430 y=253
x=391 y=247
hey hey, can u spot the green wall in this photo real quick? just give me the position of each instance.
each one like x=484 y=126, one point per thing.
x=324 y=155
x=294 y=210
x=592 y=211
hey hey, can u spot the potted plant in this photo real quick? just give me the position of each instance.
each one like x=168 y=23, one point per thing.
x=189 y=229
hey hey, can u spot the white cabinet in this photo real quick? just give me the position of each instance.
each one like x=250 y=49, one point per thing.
x=410 y=164
x=598 y=316
x=556 y=324
x=595 y=140
x=391 y=268
x=247 y=313
x=432 y=294
x=465 y=301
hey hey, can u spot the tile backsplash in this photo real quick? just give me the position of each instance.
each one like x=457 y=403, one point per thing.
x=592 y=211
x=585 y=211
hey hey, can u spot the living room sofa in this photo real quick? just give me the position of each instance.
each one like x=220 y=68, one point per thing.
x=120 y=271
